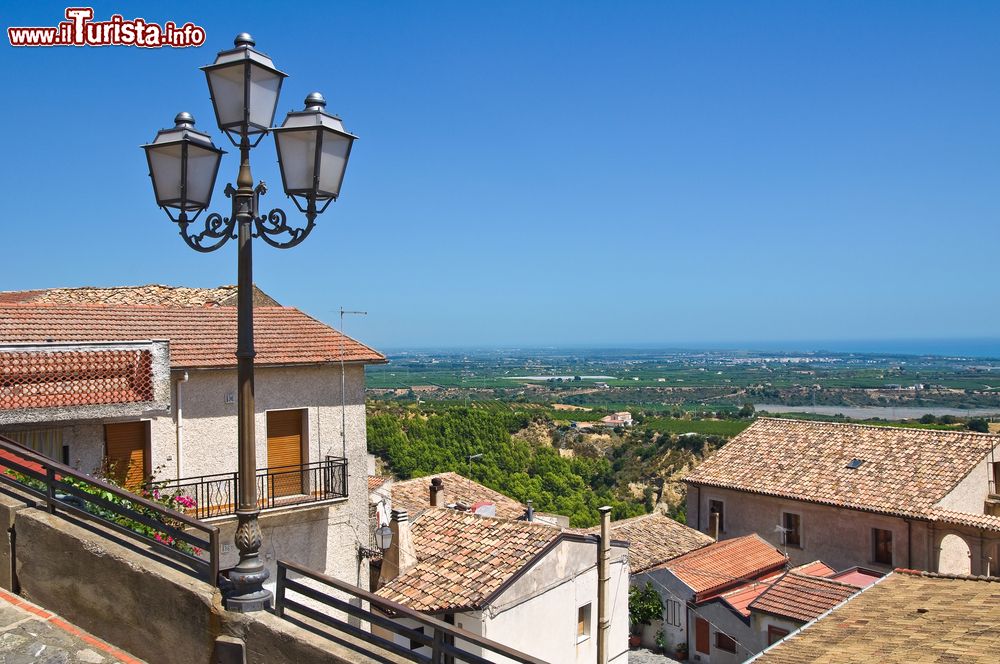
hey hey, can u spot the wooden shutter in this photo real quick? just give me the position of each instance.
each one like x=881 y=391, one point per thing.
x=701 y=635
x=125 y=449
x=284 y=448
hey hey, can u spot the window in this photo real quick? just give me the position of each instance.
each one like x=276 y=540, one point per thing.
x=882 y=540
x=775 y=634
x=725 y=642
x=673 y=612
x=47 y=442
x=583 y=622
x=717 y=507
x=792 y=529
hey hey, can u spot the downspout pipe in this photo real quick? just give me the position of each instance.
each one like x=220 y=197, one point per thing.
x=180 y=421
x=603 y=583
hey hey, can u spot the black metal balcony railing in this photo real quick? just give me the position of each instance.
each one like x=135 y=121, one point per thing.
x=284 y=486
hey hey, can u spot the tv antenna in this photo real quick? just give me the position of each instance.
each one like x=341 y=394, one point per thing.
x=471 y=458
x=343 y=378
x=784 y=537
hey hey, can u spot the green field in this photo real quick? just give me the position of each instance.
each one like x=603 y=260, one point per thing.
x=707 y=427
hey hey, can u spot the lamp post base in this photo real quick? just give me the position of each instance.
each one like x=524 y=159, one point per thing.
x=244 y=592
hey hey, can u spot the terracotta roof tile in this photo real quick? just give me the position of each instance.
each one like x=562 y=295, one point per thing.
x=464 y=558
x=199 y=336
x=726 y=564
x=984 y=521
x=904 y=471
x=907 y=618
x=815 y=568
x=414 y=495
x=375 y=481
x=654 y=539
x=802 y=597
x=154 y=294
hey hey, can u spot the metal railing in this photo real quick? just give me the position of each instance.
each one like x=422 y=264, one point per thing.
x=283 y=486
x=447 y=643
x=64 y=489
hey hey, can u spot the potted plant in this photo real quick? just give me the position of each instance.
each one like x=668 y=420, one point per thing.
x=681 y=651
x=644 y=606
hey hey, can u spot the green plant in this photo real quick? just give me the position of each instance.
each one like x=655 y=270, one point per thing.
x=152 y=491
x=681 y=650
x=644 y=605
x=661 y=640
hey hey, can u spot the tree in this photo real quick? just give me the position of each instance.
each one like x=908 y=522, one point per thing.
x=978 y=424
x=928 y=419
x=746 y=411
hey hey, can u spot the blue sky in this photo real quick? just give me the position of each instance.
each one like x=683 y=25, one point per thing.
x=555 y=173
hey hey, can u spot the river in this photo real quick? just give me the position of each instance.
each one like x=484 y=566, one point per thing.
x=884 y=412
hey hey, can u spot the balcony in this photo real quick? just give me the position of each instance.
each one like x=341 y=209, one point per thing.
x=284 y=486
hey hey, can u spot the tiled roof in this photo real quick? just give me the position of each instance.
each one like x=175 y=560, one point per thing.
x=802 y=597
x=654 y=539
x=414 y=495
x=375 y=481
x=740 y=598
x=984 y=521
x=907 y=618
x=726 y=564
x=904 y=471
x=464 y=558
x=154 y=294
x=815 y=568
x=199 y=336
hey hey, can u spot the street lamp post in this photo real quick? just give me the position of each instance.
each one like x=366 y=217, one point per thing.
x=313 y=149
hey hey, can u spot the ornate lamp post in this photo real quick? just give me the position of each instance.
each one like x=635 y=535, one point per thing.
x=313 y=150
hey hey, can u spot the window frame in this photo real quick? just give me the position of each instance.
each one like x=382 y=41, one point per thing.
x=786 y=531
x=583 y=620
x=721 y=512
x=719 y=636
x=775 y=631
x=876 y=553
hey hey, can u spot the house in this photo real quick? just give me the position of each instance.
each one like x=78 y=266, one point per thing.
x=620 y=419
x=694 y=588
x=799 y=596
x=908 y=617
x=856 y=495
x=529 y=586
x=654 y=539
x=141 y=381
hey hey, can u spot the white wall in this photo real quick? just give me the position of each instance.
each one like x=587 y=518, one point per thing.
x=970 y=494
x=538 y=613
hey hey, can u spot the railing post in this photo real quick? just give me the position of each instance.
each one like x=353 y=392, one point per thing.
x=50 y=487
x=279 y=591
x=437 y=647
x=213 y=563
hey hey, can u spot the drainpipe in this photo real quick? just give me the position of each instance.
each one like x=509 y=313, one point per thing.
x=180 y=421
x=909 y=544
x=603 y=574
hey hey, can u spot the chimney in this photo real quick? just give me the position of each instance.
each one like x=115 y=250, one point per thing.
x=603 y=580
x=713 y=525
x=529 y=514
x=437 y=493
x=401 y=554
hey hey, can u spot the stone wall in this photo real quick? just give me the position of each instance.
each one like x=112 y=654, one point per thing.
x=112 y=589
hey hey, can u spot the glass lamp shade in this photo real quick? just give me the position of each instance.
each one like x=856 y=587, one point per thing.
x=313 y=149
x=244 y=86
x=383 y=537
x=183 y=164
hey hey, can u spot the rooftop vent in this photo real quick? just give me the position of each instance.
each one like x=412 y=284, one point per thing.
x=855 y=464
